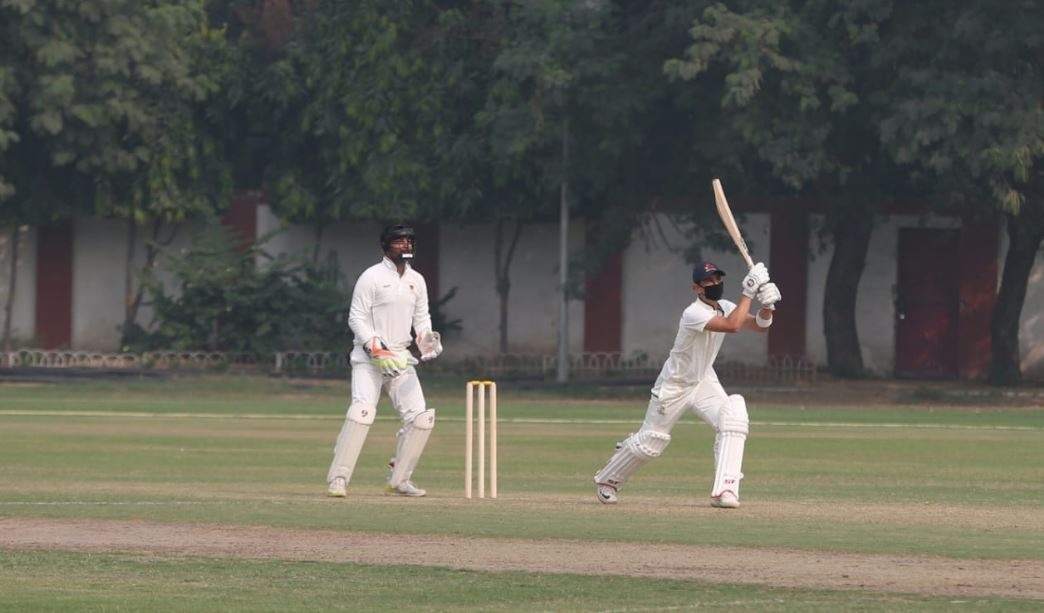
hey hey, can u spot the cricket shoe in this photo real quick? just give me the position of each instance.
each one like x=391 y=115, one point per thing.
x=406 y=488
x=606 y=494
x=338 y=488
x=727 y=500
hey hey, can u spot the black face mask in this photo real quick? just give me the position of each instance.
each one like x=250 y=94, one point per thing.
x=714 y=292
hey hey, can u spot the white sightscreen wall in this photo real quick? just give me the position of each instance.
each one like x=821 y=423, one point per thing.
x=355 y=245
x=657 y=287
x=878 y=287
x=467 y=263
x=99 y=254
x=99 y=277
x=23 y=312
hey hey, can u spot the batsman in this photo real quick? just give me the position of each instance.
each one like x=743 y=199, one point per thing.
x=687 y=382
x=390 y=298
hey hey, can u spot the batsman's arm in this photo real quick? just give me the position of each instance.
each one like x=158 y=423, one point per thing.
x=759 y=322
x=735 y=321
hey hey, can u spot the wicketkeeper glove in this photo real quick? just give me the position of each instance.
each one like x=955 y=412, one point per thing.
x=430 y=345
x=768 y=296
x=390 y=363
x=756 y=277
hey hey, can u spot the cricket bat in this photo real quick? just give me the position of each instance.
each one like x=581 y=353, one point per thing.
x=730 y=222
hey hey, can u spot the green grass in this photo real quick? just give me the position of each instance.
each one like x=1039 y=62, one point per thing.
x=956 y=482
x=80 y=582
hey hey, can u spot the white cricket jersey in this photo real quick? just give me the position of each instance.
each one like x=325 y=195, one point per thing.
x=694 y=351
x=387 y=305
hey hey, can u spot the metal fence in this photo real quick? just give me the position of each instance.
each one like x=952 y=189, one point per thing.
x=777 y=370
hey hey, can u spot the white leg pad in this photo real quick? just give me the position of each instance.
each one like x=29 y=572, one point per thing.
x=733 y=427
x=350 y=441
x=637 y=449
x=412 y=439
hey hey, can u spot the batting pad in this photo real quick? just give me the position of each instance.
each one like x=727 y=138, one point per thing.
x=412 y=439
x=733 y=427
x=350 y=441
x=638 y=449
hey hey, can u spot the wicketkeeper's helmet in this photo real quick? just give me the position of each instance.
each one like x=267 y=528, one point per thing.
x=394 y=231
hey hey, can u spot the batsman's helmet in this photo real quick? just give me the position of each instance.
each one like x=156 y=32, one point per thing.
x=394 y=231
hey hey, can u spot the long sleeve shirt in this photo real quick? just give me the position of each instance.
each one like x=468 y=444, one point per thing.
x=387 y=305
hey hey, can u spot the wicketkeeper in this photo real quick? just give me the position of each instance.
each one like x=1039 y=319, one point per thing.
x=390 y=299
x=687 y=382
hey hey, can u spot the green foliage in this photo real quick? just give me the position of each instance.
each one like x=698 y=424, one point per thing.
x=368 y=112
x=966 y=100
x=108 y=99
x=242 y=300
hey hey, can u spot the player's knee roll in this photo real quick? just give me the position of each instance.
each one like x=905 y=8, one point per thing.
x=425 y=420
x=733 y=416
x=362 y=414
x=648 y=444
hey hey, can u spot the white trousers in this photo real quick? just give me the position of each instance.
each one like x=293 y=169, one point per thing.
x=706 y=400
x=404 y=391
x=406 y=397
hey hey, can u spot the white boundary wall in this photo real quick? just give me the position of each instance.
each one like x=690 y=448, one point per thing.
x=656 y=286
x=23 y=315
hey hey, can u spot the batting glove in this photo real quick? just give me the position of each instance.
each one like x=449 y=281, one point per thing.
x=768 y=296
x=756 y=277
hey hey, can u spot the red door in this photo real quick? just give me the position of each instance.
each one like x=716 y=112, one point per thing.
x=927 y=304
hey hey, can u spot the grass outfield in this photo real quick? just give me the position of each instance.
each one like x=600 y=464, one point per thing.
x=911 y=484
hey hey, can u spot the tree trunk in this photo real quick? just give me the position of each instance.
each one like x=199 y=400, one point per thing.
x=129 y=313
x=502 y=255
x=1024 y=237
x=12 y=285
x=319 y=227
x=851 y=243
x=152 y=249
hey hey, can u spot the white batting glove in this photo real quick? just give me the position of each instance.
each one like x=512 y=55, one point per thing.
x=430 y=345
x=768 y=296
x=756 y=277
x=390 y=363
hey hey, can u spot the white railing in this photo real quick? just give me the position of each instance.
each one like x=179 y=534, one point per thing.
x=786 y=370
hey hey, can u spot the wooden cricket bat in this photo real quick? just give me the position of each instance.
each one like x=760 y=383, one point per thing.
x=730 y=222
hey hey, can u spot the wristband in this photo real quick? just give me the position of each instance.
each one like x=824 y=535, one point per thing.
x=762 y=323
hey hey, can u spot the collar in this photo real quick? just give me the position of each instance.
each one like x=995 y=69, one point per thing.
x=390 y=265
x=710 y=307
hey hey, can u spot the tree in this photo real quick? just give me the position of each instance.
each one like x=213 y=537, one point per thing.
x=370 y=109
x=967 y=117
x=548 y=119
x=106 y=97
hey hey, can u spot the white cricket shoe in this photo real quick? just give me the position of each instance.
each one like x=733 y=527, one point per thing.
x=338 y=488
x=406 y=488
x=606 y=494
x=727 y=500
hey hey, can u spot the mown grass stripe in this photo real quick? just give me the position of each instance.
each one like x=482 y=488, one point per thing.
x=510 y=420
